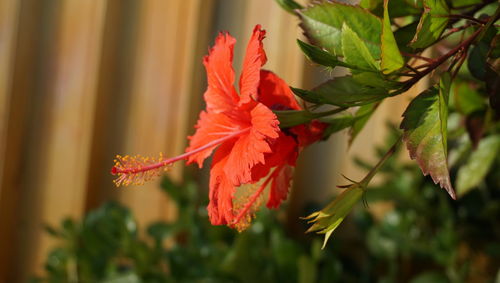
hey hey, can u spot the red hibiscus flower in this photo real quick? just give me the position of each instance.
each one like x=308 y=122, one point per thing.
x=252 y=154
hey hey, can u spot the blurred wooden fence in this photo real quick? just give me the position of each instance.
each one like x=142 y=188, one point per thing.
x=82 y=80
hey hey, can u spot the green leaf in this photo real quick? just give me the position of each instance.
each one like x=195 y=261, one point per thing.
x=355 y=51
x=172 y=189
x=322 y=24
x=478 y=165
x=477 y=60
x=160 y=230
x=425 y=132
x=492 y=79
x=289 y=5
x=430 y=276
x=467 y=100
x=370 y=4
x=391 y=59
x=346 y=120
x=377 y=80
x=494 y=52
x=361 y=118
x=320 y=56
x=330 y=217
x=338 y=123
x=432 y=23
x=462 y=3
x=130 y=277
x=404 y=35
x=293 y=118
x=307 y=269
x=290 y=118
x=343 y=92
x=325 y=58
x=398 y=8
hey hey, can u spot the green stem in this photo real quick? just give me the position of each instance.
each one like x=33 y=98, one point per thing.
x=376 y=168
x=432 y=66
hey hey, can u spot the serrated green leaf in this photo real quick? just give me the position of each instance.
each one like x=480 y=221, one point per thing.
x=342 y=92
x=362 y=116
x=322 y=24
x=432 y=23
x=391 y=59
x=355 y=51
x=329 y=218
x=425 y=132
x=478 y=165
x=289 y=5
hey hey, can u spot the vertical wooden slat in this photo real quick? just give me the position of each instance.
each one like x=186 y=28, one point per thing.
x=284 y=55
x=65 y=139
x=113 y=92
x=9 y=17
x=159 y=101
x=25 y=95
x=9 y=12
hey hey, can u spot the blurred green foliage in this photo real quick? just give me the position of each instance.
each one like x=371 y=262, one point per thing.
x=424 y=237
x=107 y=246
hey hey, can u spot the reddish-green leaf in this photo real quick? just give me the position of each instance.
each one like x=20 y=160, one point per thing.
x=425 y=132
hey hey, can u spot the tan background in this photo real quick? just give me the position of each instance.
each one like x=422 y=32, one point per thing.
x=81 y=81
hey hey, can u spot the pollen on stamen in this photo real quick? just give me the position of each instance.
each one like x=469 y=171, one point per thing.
x=131 y=169
x=242 y=196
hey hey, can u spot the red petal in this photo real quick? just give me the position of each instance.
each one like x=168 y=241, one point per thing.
x=284 y=150
x=283 y=157
x=255 y=58
x=220 y=207
x=280 y=185
x=309 y=133
x=275 y=92
x=220 y=94
x=210 y=127
x=250 y=148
